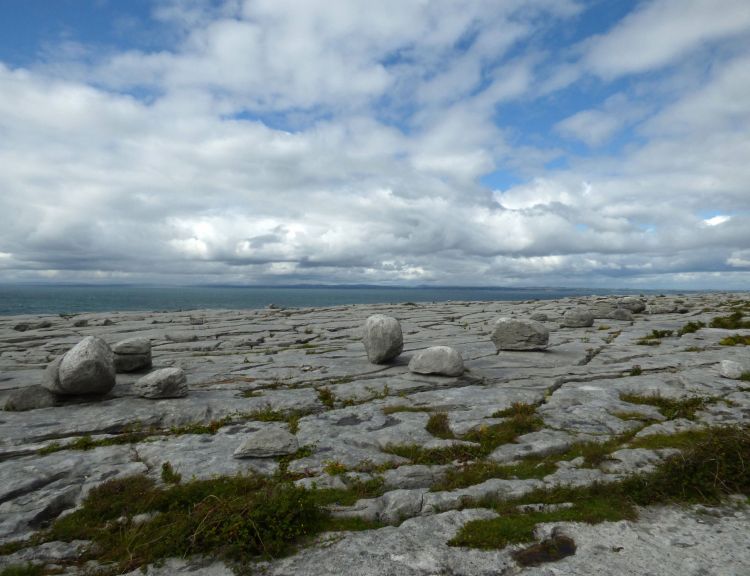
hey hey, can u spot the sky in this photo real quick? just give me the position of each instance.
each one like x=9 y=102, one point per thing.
x=581 y=143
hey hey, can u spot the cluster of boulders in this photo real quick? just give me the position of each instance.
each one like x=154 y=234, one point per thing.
x=384 y=341
x=89 y=370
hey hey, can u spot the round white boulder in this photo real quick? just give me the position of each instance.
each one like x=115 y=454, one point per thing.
x=87 y=368
x=442 y=360
x=382 y=338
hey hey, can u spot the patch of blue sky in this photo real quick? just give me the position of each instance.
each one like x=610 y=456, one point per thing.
x=501 y=180
x=29 y=28
x=290 y=120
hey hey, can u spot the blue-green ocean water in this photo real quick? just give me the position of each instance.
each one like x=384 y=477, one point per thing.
x=48 y=299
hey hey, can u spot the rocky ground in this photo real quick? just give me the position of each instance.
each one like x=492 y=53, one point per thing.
x=304 y=373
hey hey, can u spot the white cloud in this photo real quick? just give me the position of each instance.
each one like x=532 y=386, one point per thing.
x=659 y=32
x=357 y=154
x=717 y=220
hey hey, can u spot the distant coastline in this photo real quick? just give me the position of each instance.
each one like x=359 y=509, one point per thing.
x=31 y=298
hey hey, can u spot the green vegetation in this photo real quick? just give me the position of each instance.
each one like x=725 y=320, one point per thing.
x=476 y=472
x=169 y=475
x=711 y=466
x=517 y=409
x=334 y=467
x=636 y=370
x=734 y=321
x=592 y=505
x=326 y=397
x=690 y=328
x=734 y=340
x=439 y=427
x=745 y=377
x=237 y=518
x=670 y=408
x=484 y=439
x=654 y=339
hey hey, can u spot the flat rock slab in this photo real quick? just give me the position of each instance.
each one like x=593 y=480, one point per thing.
x=255 y=372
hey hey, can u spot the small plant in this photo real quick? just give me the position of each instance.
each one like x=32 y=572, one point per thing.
x=334 y=468
x=735 y=340
x=734 y=321
x=745 y=377
x=438 y=426
x=169 y=475
x=327 y=397
x=654 y=339
x=516 y=410
x=636 y=370
x=690 y=328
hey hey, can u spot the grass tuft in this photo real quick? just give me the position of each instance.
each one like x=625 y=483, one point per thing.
x=735 y=340
x=670 y=408
x=690 y=328
x=438 y=426
x=734 y=321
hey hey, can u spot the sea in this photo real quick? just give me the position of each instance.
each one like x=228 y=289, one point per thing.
x=71 y=299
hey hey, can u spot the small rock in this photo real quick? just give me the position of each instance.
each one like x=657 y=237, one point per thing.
x=513 y=334
x=30 y=398
x=82 y=323
x=87 y=368
x=442 y=360
x=577 y=318
x=162 y=383
x=622 y=314
x=539 y=317
x=23 y=326
x=383 y=338
x=633 y=304
x=732 y=369
x=267 y=443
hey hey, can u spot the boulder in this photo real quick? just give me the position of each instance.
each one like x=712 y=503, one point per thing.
x=662 y=308
x=733 y=370
x=267 y=444
x=633 y=304
x=514 y=334
x=382 y=338
x=622 y=314
x=577 y=318
x=603 y=308
x=132 y=354
x=30 y=398
x=442 y=360
x=539 y=317
x=87 y=368
x=162 y=383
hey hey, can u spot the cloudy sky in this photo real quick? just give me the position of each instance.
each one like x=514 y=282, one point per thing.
x=451 y=142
